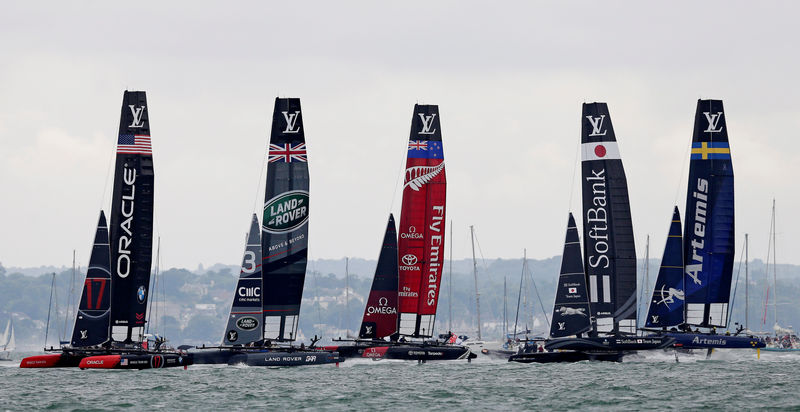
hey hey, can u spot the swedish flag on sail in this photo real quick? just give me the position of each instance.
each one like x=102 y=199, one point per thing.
x=710 y=150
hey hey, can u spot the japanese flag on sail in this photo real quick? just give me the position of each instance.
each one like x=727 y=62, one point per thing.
x=599 y=151
x=573 y=290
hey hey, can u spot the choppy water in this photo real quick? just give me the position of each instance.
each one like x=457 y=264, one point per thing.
x=732 y=380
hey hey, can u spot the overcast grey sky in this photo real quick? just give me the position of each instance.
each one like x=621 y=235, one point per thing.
x=509 y=77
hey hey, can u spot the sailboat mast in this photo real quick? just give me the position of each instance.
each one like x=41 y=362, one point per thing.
x=505 y=307
x=774 y=266
x=47 y=328
x=647 y=266
x=346 y=296
x=450 y=286
x=154 y=288
x=746 y=282
x=519 y=296
x=67 y=316
x=646 y=270
x=475 y=274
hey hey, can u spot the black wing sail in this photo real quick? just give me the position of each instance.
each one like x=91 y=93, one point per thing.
x=284 y=227
x=666 y=305
x=131 y=220
x=244 y=322
x=709 y=232
x=607 y=229
x=94 y=314
x=380 y=314
x=571 y=312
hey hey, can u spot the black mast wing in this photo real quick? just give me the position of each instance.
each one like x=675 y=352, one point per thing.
x=284 y=227
x=380 y=313
x=607 y=229
x=571 y=314
x=244 y=323
x=132 y=219
x=709 y=231
x=94 y=313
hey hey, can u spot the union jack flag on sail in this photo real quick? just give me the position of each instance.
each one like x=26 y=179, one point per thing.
x=287 y=153
x=134 y=144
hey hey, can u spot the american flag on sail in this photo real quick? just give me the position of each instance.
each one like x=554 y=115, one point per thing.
x=134 y=144
x=287 y=153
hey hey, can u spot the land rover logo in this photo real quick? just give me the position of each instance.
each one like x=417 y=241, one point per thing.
x=247 y=323
x=409 y=259
x=286 y=212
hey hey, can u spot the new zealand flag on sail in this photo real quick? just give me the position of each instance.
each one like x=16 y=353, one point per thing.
x=421 y=243
x=423 y=149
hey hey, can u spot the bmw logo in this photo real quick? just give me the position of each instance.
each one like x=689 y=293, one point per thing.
x=141 y=294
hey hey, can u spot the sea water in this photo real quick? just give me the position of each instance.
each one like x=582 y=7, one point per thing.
x=652 y=381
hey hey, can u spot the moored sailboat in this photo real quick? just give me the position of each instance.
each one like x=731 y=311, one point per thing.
x=8 y=342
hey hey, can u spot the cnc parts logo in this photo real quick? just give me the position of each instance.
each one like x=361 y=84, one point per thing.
x=286 y=212
x=249 y=292
x=247 y=323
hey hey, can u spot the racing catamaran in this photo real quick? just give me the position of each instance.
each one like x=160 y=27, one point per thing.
x=570 y=312
x=409 y=269
x=609 y=251
x=380 y=317
x=264 y=315
x=693 y=287
x=109 y=324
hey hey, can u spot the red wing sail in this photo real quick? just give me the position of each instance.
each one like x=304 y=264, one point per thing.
x=421 y=242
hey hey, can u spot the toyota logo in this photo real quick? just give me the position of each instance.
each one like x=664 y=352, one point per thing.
x=409 y=259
